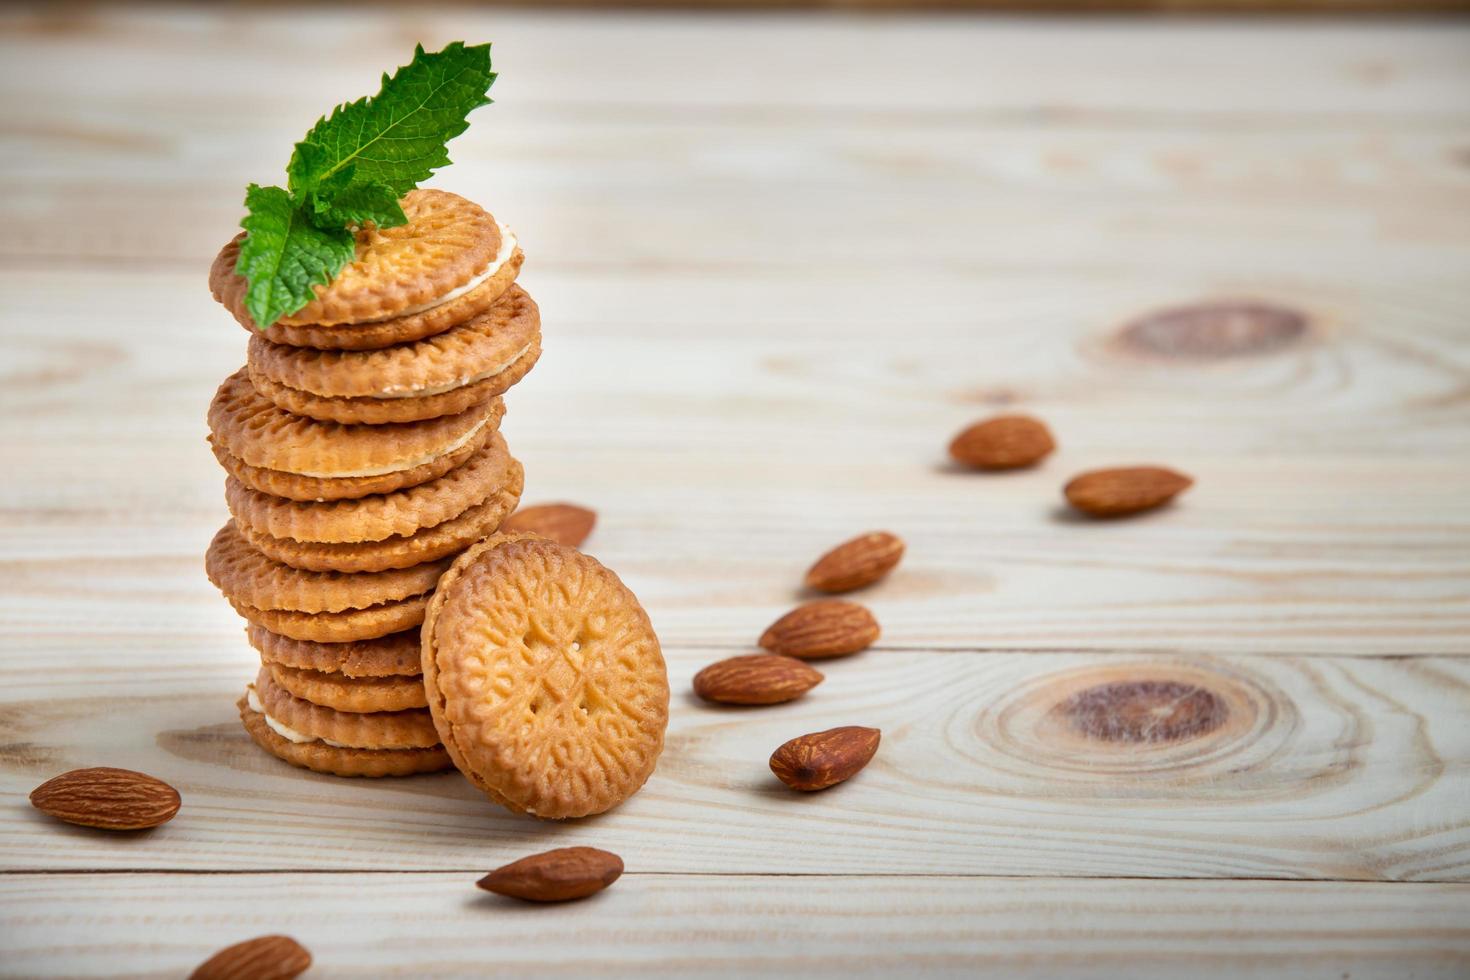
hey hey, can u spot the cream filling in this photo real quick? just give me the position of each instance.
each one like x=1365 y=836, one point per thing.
x=507 y=249
x=398 y=467
x=457 y=383
x=285 y=731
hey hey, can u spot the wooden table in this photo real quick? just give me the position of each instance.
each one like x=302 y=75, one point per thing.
x=780 y=262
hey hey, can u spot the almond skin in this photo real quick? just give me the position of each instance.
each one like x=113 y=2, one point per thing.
x=823 y=759
x=856 y=563
x=1006 y=442
x=262 y=958
x=555 y=876
x=1123 y=491
x=758 y=678
x=565 y=524
x=825 y=628
x=112 y=799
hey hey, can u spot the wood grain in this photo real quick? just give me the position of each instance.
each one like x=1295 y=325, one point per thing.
x=1025 y=764
x=439 y=924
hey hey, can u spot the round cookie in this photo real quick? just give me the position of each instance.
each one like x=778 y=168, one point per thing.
x=248 y=577
x=342 y=627
x=481 y=357
x=430 y=544
x=445 y=244
x=544 y=677
x=394 y=655
x=334 y=760
x=358 y=695
x=411 y=729
x=380 y=516
x=251 y=428
x=380 y=411
x=293 y=486
x=229 y=289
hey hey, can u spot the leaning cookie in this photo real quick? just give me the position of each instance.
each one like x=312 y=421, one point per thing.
x=448 y=249
x=252 y=429
x=544 y=677
x=337 y=760
x=448 y=373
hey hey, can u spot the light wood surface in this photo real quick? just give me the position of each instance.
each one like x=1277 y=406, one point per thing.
x=780 y=261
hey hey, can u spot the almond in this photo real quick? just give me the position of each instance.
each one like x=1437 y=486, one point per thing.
x=1006 y=442
x=113 y=799
x=823 y=759
x=856 y=563
x=262 y=958
x=759 y=678
x=555 y=876
x=565 y=524
x=825 y=628
x=1127 y=490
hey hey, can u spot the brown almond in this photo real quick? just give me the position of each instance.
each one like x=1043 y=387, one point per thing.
x=112 y=799
x=565 y=524
x=824 y=628
x=1126 y=490
x=262 y=958
x=1006 y=442
x=758 y=678
x=856 y=563
x=823 y=759
x=555 y=876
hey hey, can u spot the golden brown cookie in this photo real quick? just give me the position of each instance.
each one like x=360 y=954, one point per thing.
x=380 y=516
x=394 y=655
x=229 y=289
x=248 y=577
x=411 y=729
x=251 y=428
x=447 y=242
x=342 y=627
x=479 y=359
x=293 y=486
x=357 y=695
x=381 y=411
x=334 y=760
x=439 y=541
x=544 y=677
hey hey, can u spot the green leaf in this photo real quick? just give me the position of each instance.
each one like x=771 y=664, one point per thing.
x=284 y=255
x=396 y=138
x=357 y=204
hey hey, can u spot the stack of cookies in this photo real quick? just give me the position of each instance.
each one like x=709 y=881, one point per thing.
x=363 y=454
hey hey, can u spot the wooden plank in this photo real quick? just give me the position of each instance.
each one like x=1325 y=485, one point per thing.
x=658 y=925
x=675 y=421
x=1016 y=764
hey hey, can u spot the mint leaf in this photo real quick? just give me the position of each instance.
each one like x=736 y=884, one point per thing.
x=284 y=255
x=396 y=138
x=357 y=204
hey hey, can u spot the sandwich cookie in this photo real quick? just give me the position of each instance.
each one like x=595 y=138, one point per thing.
x=294 y=486
x=544 y=677
x=445 y=374
x=386 y=531
x=391 y=743
x=356 y=695
x=394 y=655
x=252 y=429
x=449 y=262
x=328 y=607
